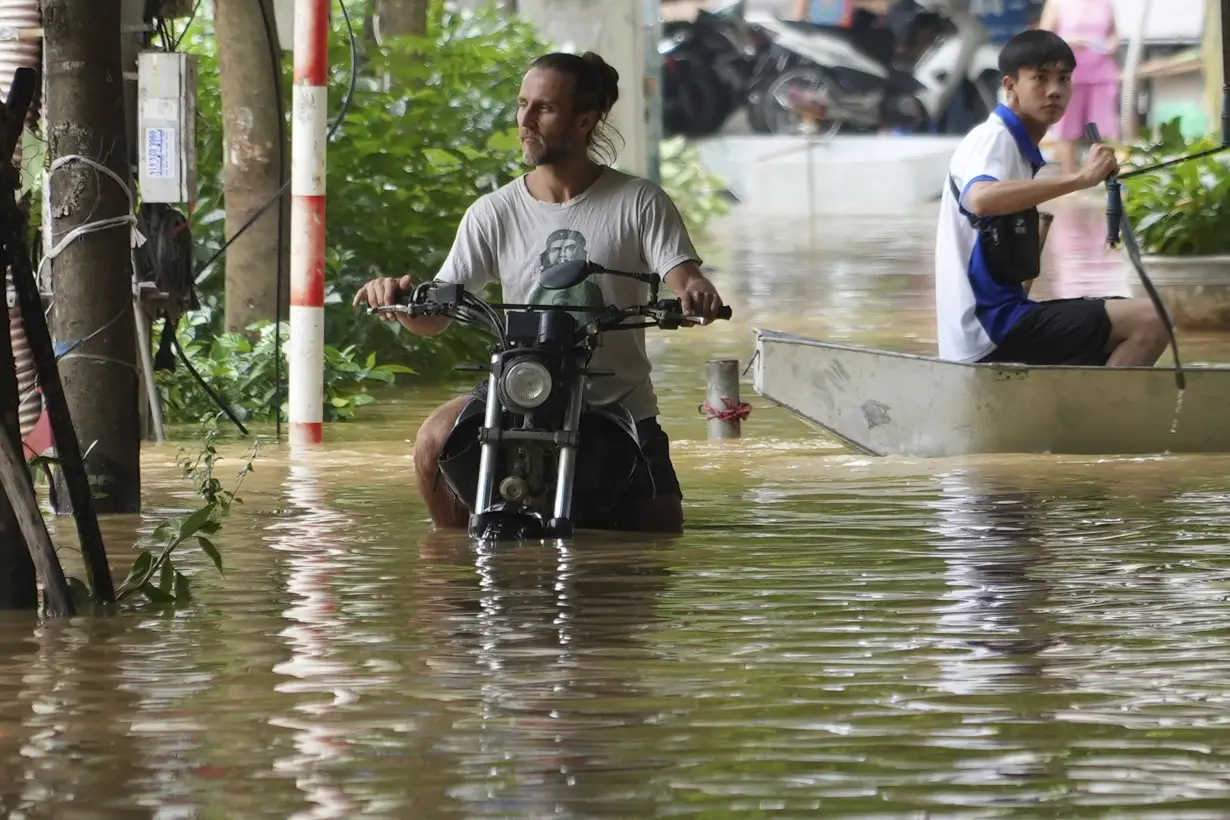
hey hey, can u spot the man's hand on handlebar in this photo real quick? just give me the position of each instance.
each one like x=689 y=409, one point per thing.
x=384 y=292
x=388 y=292
x=700 y=299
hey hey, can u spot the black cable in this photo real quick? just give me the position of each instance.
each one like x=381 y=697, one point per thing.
x=208 y=390
x=187 y=25
x=275 y=58
x=1148 y=169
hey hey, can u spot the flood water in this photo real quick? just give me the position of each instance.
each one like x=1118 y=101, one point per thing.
x=834 y=636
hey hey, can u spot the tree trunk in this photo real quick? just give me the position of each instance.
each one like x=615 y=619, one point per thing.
x=253 y=157
x=92 y=277
x=395 y=18
x=18 y=583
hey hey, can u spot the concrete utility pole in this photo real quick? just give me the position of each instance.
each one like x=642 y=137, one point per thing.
x=253 y=158
x=92 y=273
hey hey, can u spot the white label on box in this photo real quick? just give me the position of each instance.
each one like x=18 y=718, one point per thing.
x=160 y=153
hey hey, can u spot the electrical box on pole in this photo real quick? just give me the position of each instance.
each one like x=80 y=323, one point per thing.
x=166 y=126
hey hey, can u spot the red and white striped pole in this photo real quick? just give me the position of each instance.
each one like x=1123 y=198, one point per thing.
x=309 y=131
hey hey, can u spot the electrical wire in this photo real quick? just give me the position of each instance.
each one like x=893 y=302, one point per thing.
x=110 y=323
x=129 y=219
x=208 y=390
x=187 y=25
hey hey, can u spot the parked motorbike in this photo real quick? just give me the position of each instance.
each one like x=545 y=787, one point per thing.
x=708 y=65
x=905 y=78
x=533 y=459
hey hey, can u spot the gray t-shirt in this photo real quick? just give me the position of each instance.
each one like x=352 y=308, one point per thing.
x=621 y=222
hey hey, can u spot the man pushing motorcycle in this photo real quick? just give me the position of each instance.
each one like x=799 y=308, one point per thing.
x=570 y=205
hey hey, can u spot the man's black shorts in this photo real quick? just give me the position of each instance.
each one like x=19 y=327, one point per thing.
x=661 y=482
x=1059 y=331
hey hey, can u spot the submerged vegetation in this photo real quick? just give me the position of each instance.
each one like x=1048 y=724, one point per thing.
x=155 y=577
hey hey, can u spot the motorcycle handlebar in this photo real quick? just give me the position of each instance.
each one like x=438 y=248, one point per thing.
x=724 y=312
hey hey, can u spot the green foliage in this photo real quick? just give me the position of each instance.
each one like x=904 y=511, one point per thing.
x=153 y=574
x=1183 y=210
x=695 y=190
x=241 y=372
x=421 y=140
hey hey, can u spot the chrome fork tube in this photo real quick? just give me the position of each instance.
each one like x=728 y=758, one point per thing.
x=565 y=473
x=489 y=450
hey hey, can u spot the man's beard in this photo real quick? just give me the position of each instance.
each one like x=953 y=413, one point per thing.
x=540 y=152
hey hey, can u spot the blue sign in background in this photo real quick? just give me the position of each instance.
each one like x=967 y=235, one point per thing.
x=1005 y=18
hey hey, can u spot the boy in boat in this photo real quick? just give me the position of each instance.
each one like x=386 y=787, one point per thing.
x=988 y=242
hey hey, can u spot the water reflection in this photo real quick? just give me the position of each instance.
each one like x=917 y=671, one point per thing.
x=313 y=536
x=834 y=636
x=992 y=548
x=551 y=634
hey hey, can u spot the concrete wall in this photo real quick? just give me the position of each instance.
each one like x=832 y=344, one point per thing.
x=1181 y=95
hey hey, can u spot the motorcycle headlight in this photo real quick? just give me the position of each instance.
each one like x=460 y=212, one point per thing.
x=527 y=384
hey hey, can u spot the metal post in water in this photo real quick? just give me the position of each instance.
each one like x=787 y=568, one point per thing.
x=722 y=406
x=307 y=216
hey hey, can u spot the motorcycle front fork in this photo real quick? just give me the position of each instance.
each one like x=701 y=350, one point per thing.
x=566 y=468
x=565 y=473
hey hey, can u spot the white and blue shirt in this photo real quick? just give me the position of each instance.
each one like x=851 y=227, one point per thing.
x=974 y=312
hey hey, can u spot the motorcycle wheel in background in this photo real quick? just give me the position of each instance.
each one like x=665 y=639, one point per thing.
x=764 y=76
x=768 y=104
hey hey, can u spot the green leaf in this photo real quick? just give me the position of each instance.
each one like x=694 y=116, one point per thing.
x=155 y=594
x=166 y=577
x=80 y=594
x=196 y=521
x=163 y=530
x=140 y=568
x=209 y=549
x=182 y=590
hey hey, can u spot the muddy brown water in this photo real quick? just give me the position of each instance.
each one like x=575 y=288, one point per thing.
x=834 y=636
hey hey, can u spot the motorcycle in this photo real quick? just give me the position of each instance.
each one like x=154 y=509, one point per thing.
x=707 y=69
x=906 y=81
x=533 y=459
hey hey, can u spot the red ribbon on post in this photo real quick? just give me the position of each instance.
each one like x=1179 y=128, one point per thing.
x=735 y=410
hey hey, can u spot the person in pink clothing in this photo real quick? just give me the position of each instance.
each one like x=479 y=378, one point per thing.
x=1089 y=27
